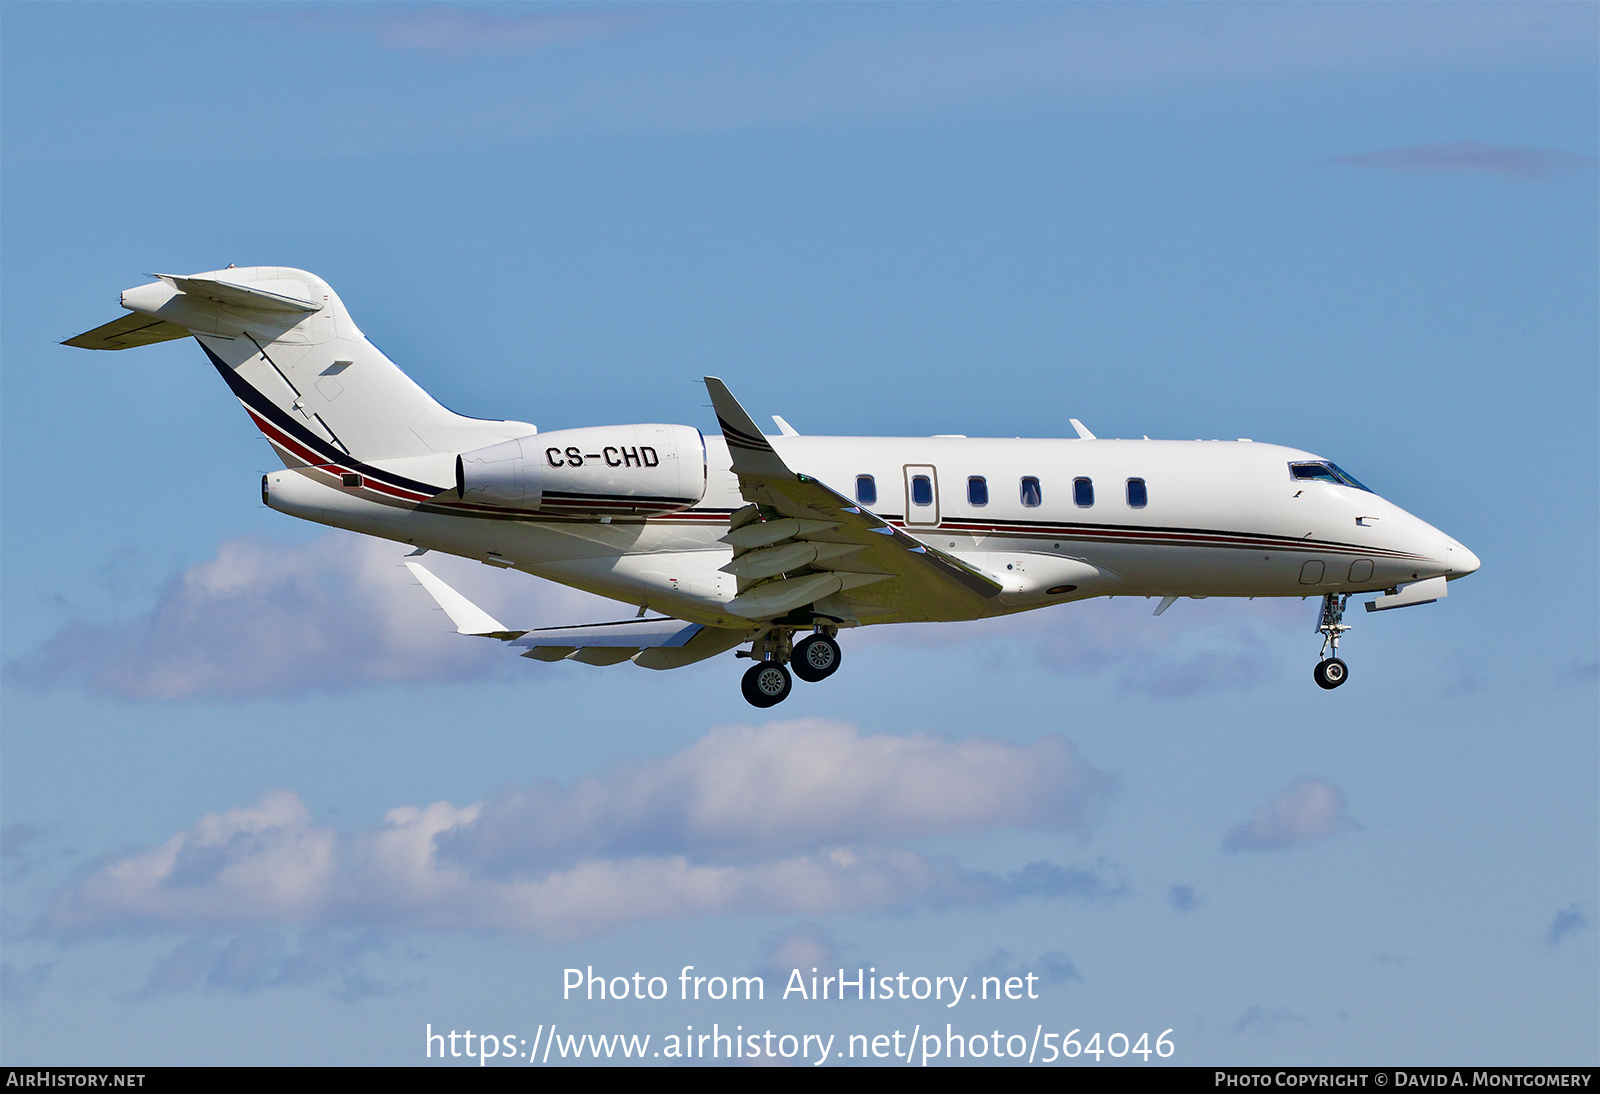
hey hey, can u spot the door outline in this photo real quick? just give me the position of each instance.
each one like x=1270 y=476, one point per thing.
x=916 y=515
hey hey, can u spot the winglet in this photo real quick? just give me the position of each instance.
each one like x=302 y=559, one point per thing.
x=1083 y=433
x=467 y=616
x=751 y=452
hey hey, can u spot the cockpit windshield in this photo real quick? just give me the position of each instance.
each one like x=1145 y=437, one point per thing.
x=1322 y=471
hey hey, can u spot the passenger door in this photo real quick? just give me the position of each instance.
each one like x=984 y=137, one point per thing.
x=922 y=495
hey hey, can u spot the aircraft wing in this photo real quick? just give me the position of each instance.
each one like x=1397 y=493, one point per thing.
x=660 y=643
x=802 y=543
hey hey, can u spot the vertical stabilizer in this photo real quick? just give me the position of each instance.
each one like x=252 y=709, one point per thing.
x=284 y=343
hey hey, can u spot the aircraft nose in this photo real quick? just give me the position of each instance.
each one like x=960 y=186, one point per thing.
x=1461 y=561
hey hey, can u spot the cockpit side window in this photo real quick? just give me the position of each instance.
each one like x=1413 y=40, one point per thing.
x=1323 y=471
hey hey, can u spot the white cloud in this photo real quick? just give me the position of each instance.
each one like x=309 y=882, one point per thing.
x=719 y=67
x=22 y=848
x=19 y=987
x=431 y=29
x=266 y=618
x=1494 y=159
x=465 y=30
x=803 y=946
x=261 y=959
x=1570 y=920
x=1196 y=647
x=1267 y=1023
x=1311 y=810
x=340 y=612
x=1051 y=968
x=1184 y=898
x=786 y=820
x=1578 y=673
x=414 y=78
x=743 y=791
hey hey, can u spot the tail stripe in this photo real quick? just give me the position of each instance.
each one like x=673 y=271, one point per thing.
x=307 y=445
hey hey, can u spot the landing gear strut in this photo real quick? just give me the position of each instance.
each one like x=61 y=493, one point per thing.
x=1331 y=671
x=767 y=683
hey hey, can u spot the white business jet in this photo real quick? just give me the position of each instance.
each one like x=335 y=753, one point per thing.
x=778 y=543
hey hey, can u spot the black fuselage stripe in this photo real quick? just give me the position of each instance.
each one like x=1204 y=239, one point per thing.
x=272 y=412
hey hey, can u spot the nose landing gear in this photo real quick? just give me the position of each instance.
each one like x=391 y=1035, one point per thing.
x=1331 y=671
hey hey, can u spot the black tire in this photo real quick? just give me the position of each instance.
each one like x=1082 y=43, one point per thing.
x=1331 y=673
x=766 y=684
x=815 y=658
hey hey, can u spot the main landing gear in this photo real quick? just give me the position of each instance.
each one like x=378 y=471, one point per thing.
x=1331 y=671
x=767 y=683
x=815 y=658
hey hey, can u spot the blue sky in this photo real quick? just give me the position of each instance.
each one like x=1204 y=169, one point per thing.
x=1364 y=230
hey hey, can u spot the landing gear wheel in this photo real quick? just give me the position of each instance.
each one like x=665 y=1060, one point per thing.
x=766 y=684
x=1331 y=673
x=815 y=658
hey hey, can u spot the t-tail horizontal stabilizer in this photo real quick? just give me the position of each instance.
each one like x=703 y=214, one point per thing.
x=238 y=295
x=128 y=332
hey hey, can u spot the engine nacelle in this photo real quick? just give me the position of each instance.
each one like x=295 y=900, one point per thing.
x=621 y=469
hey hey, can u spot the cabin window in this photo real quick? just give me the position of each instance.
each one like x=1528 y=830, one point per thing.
x=1031 y=494
x=921 y=490
x=1138 y=496
x=1082 y=493
x=1323 y=471
x=977 y=491
x=866 y=490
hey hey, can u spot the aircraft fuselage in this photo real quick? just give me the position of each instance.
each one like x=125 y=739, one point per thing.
x=778 y=542
x=1219 y=518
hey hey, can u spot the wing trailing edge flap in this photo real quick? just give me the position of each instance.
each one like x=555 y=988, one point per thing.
x=661 y=643
x=648 y=643
x=796 y=522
